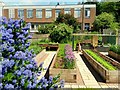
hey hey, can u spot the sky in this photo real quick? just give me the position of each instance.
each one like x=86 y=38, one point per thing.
x=41 y=2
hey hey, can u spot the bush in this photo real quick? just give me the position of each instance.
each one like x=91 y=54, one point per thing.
x=69 y=20
x=61 y=33
x=115 y=48
x=45 y=29
x=19 y=69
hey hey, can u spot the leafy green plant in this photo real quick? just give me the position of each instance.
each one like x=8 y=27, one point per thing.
x=61 y=33
x=46 y=28
x=36 y=49
x=101 y=60
x=115 y=48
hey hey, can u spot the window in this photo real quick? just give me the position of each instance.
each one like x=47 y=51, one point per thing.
x=48 y=13
x=20 y=13
x=87 y=12
x=38 y=13
x=57 y=13
x=87 y=26
x=77 y=12
x=29 y=13
x=11 y=13
x=67 y=11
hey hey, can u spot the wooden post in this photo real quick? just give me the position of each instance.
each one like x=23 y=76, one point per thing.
x=73 y=42
x=95 y=41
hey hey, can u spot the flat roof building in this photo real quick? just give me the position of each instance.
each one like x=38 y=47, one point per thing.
x=43 y=14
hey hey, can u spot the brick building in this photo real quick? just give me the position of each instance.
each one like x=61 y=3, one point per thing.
x=41 y=14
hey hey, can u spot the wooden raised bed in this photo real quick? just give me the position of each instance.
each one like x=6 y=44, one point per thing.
x=114 y=55
x=108 y=75
x=69 y=75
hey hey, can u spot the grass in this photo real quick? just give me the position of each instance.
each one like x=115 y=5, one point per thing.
x=106 y=64
x=61 y=51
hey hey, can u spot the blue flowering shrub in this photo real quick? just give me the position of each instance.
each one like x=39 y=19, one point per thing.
x=18 y=69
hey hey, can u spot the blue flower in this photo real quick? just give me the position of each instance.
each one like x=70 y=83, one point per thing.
x=14 y=81
x=9 y=30
x=9 y=86
x=1 y=85
x=11 y=49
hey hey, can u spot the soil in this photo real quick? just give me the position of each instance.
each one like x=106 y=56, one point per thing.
x=59 y=63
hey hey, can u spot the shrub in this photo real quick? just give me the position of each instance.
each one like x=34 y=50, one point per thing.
x=61 y=33
x=19 y=69
x=45 y=29
x=69 y=20
x=69 y=57
x=115 y=48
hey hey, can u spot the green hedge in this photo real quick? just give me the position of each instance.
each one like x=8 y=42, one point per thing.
x=115 y=48
x=101 y=60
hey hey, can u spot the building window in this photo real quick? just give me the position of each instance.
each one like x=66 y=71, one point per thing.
x=20 y=13
x=38 y=13
x=67 y=11
x=77 y=12
x=11 y=13
x=48 y=13
x=29 y=13
x=57 y=12
x=87 y=26
x=87 y=13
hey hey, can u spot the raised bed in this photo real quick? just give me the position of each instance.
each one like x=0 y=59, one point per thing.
x=114 y=55
x=108 y=75
x=69 y=75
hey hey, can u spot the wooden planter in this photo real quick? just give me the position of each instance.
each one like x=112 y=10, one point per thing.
x=108 y=75
x=114 y=55
x=69 y=75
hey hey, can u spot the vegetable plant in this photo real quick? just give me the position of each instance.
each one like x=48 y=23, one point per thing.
x=99 y=59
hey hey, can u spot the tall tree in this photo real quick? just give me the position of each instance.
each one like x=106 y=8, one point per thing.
x=103 y=21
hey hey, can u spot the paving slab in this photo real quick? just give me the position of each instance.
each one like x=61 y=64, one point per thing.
x=86 y=75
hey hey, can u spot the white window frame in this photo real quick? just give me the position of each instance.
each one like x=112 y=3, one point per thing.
x=29 y=13
x=11 y=13
x=67 y=11
x=38 y=13
x=48 y=13
x=57 y=12
x=20 y=13
x=87 y=12
x=77 y=12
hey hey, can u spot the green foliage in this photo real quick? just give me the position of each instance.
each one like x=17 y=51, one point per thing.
x=115 y=48
x=69 y=20
x=37 y=49
x=110 y=7
x=45 y=29
x=101 y=60
x=61 y=33
x=61 y=51
x=103 y=21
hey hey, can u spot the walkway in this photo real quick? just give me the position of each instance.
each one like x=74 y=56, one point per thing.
x=88 y=78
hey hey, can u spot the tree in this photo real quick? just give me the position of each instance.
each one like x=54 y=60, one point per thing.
x=69 y=20
x=103 y=21
x=115 y=26
x=61 y=33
